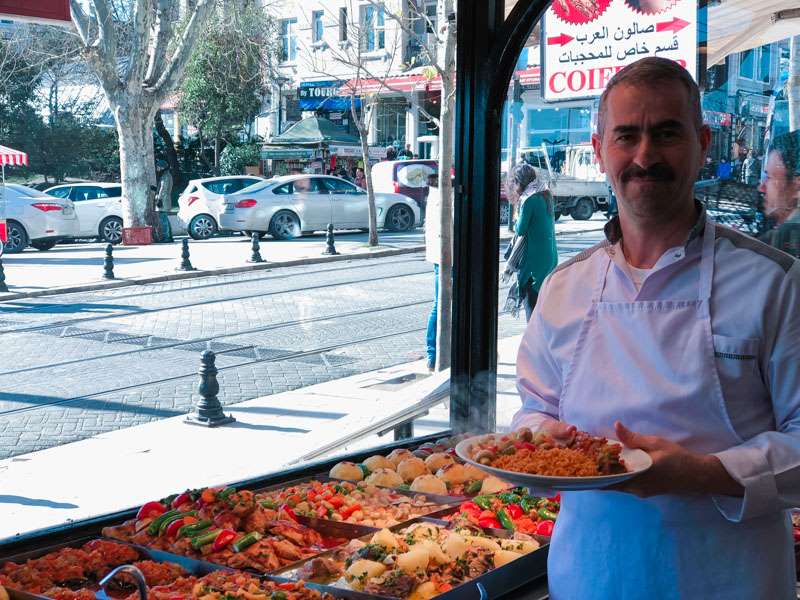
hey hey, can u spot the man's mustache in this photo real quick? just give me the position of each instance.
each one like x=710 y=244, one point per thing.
x=659 y=172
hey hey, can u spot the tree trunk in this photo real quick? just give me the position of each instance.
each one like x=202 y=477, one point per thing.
x=793 y=84
x=216 y=153
x=446 y=149
x=362 y=124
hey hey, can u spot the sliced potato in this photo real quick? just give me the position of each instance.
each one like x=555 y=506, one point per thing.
x=519 y=546
x=363 y=569
x=386 y=539
x=482 y=542
x=503 y=557
x=455 y=546
x=424 y=591
x=437 y=556
x=414 y=561
x=422 y=531
x=493 y=485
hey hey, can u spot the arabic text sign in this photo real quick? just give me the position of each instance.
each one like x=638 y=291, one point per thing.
x=585 y=43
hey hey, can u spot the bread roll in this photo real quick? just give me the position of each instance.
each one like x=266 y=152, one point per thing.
x=3 y=593
x=437 y=460
x=399 y=455
x=348 y=471
x=411 y=468
x=453 y=474
x=373 y=463
x=493 y=485
x=474 y=473
x=429 y=484
x=384 y=478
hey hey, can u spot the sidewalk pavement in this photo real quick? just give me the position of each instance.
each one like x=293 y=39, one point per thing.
x=128 y=467
x=78 y=267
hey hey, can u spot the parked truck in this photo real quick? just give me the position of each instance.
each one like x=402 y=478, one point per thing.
x=577 y=185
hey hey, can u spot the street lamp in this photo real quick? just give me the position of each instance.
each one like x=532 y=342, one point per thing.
x=280 y=81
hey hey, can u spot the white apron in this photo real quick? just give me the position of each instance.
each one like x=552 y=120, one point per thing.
x=651 y=365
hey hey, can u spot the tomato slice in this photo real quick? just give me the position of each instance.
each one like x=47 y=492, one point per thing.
x=151 y=509
x=224 y=537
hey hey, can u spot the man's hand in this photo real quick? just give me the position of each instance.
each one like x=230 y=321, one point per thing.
x=561 y=432
x=675 y=469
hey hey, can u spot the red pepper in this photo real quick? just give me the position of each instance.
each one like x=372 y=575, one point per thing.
x=796 y=533
x=514 y=511
x=181 y=499
x=289 y=512
x=471 y=507
x=556 y=498
x=487 y=514
x=528 y=446
x=322 y=512
x=151 y=509
x=310 y=495
x=288 y=586
x=545 y=528
x=172 y=529
x=492 y=523
x=224 y=537
x=349 y=510
x=337 y=501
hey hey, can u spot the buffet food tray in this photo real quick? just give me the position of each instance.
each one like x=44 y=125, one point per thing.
x=492 y=584
x=193 y=567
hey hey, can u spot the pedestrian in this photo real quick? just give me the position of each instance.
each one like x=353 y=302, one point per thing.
x=360 y=179
x=724 y=169
x=433 y=254
x=533 y=253
x=405 y=153
x=781 y=189
x=164 y=200
x=391 y=153
x=676 y=336
x=751 y=169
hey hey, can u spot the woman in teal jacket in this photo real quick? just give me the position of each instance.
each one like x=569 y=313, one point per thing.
x=536 y=228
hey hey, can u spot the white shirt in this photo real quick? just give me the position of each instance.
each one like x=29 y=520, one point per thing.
x=755 y=320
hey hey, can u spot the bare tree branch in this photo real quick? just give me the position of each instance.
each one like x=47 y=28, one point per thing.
x=140 y=43
x=163 y=31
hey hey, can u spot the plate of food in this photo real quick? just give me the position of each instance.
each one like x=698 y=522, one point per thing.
x=538 y=461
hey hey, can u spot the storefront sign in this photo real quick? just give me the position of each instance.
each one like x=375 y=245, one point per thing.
x=323 y=95
x=48 y=11
x=287 y=153
x=345 y=150
x=583 y=46
x=716 y=119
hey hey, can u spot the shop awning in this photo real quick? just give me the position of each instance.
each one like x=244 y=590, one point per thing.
x=314 y=130
x=738 y=25
x=9 y=156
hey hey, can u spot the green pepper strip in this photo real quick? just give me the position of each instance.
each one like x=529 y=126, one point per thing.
x=547 y=514
x=364 y=470
x=510 y=498
x=223 y=495
x=247 y=541
x=166 y=522
x=193 y=529
x=154 y=527
x=474 y=487
x=528 y=504
x=202 y=540
x=505 y=520
x=485 y=502
x=270 y=504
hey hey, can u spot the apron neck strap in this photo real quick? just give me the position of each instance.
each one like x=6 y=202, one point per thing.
x=602 y=272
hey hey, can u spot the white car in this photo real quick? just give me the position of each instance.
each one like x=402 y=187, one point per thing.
x=35 y=218
x=200 y=204
x=98 y=206
x=286 y=207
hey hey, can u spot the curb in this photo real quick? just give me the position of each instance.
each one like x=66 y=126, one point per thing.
x=110 y=285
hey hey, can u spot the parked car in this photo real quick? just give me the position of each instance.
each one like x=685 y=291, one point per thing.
x=410 y=178
x=37 y=219
x=98 y=206
x=289 y=206
x=200 y=204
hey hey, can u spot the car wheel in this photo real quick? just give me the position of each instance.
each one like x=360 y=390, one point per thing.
x=399 y=218
x=202 y=227
x=43 y=246
x=284 y=225
x=261 y=234
x=111 y=230
x=583 y=209
x=505 y=213
x=17 y=238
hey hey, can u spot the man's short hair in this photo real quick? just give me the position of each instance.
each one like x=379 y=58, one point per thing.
x=646 y=72
x=787 y=146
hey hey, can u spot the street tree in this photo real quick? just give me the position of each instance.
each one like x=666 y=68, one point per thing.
x=225 y=76
x=138 y=50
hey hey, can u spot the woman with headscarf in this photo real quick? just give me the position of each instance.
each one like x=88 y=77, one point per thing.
x=533 y=254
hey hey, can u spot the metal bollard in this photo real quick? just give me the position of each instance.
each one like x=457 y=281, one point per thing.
x=186 y=264
x=3 y=286
x=329 y=241
x=108 y=263
x=208 y=410
x=256 y=255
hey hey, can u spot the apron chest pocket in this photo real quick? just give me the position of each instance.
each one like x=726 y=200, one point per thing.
x=746 y=398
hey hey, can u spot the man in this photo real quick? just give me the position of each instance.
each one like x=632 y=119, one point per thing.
x=750 y=169
x=781 y=189
x=406 y=153
x=679 y=337
x=433 y=254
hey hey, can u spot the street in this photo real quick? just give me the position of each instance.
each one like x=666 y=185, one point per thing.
x=77 y=365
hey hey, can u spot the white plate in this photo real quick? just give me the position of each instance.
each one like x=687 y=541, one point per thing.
x=637 y=461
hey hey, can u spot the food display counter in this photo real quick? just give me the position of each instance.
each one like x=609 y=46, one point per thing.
x=305 y=534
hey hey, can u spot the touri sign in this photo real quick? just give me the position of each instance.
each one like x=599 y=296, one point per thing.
x=323 y=95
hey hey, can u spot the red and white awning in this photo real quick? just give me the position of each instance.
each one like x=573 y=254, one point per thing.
x=9 y=156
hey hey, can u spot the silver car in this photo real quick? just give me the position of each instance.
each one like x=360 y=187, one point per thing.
x=286 y=207
x=35 y=218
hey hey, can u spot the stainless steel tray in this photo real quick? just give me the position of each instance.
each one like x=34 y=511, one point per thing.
x=495 y=583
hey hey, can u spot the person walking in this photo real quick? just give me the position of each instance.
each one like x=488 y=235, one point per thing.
x=533 y=254
x=433 y=254
x=750 y=169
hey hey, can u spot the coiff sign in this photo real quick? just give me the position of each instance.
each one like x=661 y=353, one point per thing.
x=48 y=11
x=584 y=43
